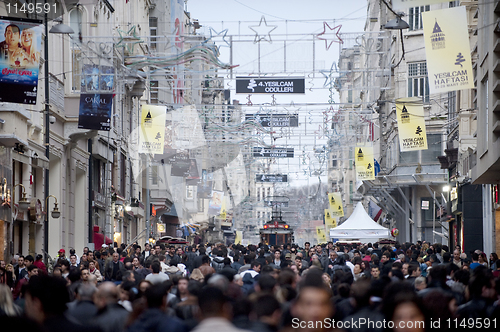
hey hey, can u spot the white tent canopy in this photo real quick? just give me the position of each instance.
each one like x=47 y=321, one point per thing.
x=359 y=226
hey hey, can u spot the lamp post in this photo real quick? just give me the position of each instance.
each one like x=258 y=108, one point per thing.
x=57 y=29
x=23 y=203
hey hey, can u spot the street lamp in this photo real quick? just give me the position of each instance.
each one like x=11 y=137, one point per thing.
x=23 y=203
x=57 y=29
x=55 y=213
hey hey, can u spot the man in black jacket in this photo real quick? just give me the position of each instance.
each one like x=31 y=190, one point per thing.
x=114 y=268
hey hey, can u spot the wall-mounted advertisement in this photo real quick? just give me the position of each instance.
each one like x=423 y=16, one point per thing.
x=19 y=60
x=95 y=111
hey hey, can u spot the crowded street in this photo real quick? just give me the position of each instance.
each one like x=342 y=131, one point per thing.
x=264 y=166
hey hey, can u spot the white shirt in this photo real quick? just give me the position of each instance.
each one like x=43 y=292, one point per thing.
x=157 y=278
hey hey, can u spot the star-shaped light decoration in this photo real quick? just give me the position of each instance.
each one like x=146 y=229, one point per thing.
x=262 y=32
x=329 y=79
x=128 y=39
x=292 y=109
x=327 y=36
x=210 y=43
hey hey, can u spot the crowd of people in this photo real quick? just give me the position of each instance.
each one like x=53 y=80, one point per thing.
x=214 y=287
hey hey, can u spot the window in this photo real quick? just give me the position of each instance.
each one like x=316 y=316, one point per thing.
x=123 y=174
x=418 y=82
x=452 y=111
x=485 y=115
x=153 y=28
x=415 y=17
x=334 y=161
x=454 y=4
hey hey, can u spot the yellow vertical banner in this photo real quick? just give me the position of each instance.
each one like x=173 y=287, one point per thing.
x=223 y=214
x=447 y=50
x=321 y=235
x=363 y=156
x=239 y=237
x=411 y=124
x=152 y=130
x=330 y=222
x=336 y=206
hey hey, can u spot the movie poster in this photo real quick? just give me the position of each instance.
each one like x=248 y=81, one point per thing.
x=19 y=60
x=95 y=111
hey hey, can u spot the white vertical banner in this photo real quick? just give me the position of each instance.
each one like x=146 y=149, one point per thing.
x=447 y=49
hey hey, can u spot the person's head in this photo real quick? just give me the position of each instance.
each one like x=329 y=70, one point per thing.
x=28 y=260
x=375 y=272
x=135 y=262
x=456 y=255
x=107 y=293
x=213 y=303
x=12 y=35
x=92 y=265
x=179 y=251
x=255 y=265
x=45 y=297
x=404 y=269
x=27 y=38
x=115 y=257
x=277 y=254
x=267 y=309
x=420 y=283
x=32 y=270
x=333 y=255
x=386 y=256
x=155 y=267
x=313 y=301
x=307 y=245
x=84 y=257
x=84 y=274
x=357 y=268
x=72 y=259
x=144 y=285
x=182 y=286
x=20 y=261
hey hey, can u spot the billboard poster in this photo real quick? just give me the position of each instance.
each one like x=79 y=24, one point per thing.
x=95 y=111
x=272 y=178
x=336 y=206
x=363 y=156
x=274 y=120
x=215 y=204
x=152 y=130
x=205 y=184
x=447 y=49
x=284 y=85
x=273 y=152
x=97 y=79
x=19 y=60
x=411 y=124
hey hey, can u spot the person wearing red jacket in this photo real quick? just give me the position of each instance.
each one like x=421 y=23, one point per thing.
x=40 y=264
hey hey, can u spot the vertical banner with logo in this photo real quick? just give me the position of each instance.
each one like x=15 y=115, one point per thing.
x=19 y=60
x=336 y=206
x=447 y=49
x=365 y=170
x=330 y=222
x=152 y=129
x=411 y=124
x=239 y=237
x=95 y=111
x=321 y=235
